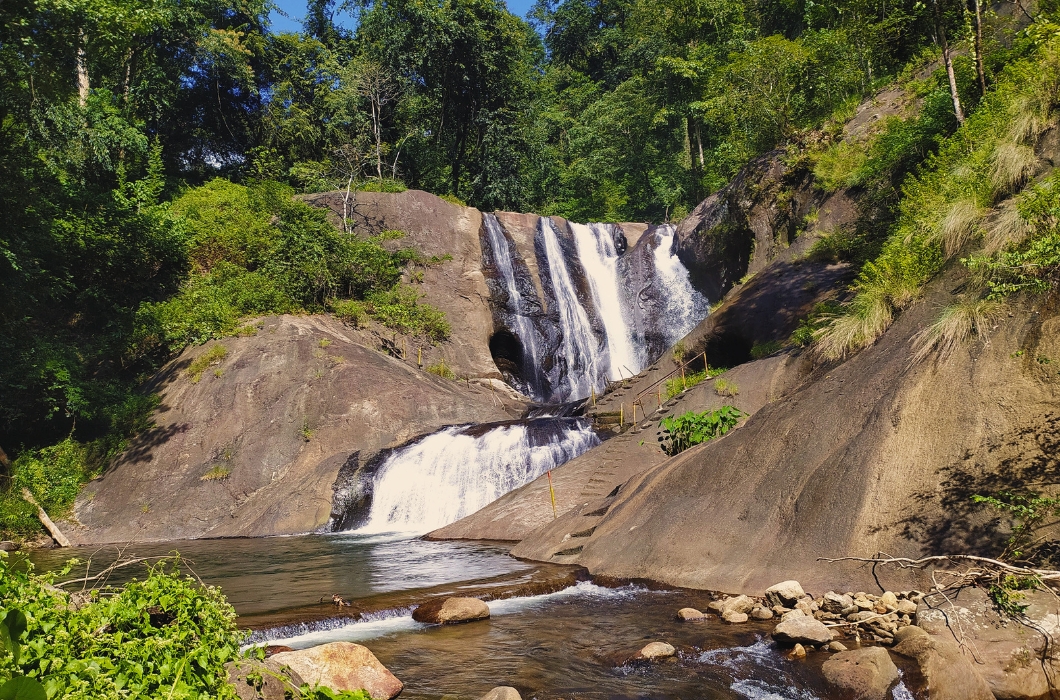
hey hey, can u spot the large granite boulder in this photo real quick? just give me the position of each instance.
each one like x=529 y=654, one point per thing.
x=864 y=674
x=947 y=673
x=339 y=666
x=450 y=611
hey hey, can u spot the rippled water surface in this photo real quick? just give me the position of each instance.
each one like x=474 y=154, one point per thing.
x=573 y=642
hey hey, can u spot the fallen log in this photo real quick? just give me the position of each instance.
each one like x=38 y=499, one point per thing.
x=52 y=528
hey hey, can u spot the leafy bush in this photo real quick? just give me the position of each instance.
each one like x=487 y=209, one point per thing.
x=678 y=384
x=692 y=428
x=166 y=636
x=213 y=356
x=401 y=310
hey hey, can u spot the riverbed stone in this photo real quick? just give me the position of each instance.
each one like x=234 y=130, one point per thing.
x=863 y=674
x=8 y=546
x=947 y=674
x=734 y=617
x=801 y=630
x=761 y=613
x=797 y=652
x=655 y=651
x=907 y=607
x=502 y=692
x=451 y=611
x=836 y=603
x=340 y=666
x=837 y=646
x=890 y=601
x=254 y=680
x=690 y=615
x=785 y=593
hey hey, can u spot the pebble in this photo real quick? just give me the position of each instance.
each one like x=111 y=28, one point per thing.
x=797 y=652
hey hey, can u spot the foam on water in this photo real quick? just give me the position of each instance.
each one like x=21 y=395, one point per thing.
x=758 y=671
x=454 y=472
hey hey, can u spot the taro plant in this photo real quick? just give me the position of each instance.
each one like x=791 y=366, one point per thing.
x=693 y=428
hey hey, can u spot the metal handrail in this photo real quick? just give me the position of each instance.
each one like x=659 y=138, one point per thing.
x=639 y=398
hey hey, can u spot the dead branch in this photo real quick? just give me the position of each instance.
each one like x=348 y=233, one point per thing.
x=52 y=528
x=985 y=562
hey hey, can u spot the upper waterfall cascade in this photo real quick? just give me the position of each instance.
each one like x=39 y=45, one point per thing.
x=606 y=313
x=440 y=478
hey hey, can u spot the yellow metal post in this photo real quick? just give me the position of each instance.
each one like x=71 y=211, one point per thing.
x=552 y=494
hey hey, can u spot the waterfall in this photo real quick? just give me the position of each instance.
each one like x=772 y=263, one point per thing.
x=580 y=364
x=684 y=305
x=454 y=472
x=518 y=309
x=599 y=258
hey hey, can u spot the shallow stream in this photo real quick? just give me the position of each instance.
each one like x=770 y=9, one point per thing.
x=552 y=634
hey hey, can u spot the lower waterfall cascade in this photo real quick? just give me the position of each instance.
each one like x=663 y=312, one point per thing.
x=446 y=475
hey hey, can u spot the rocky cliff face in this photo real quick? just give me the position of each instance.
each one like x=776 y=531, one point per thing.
x=879 y=454
x=254 y=446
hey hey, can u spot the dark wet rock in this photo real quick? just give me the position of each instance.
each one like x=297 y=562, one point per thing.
x=502 y=692
x=864 y=674
x=8 y=546
x=340 y=666
x=947 y=674
x=802 y=630
x=449 y=611
x=254 y=680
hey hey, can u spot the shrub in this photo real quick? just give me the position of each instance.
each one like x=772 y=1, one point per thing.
x=678 y=384
x=383 y=185
x=400 y=309
x=165 y=636
x=218 y=473
x=453 y=199
x=692 y=428
x=351 y=311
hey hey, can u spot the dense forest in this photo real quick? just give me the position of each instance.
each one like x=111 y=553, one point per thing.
x=150 y=151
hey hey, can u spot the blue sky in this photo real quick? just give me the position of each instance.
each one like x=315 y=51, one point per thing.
x=295 y=9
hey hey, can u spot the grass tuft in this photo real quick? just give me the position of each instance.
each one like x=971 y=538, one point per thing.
x=1006 y=227
x=954 y=324
x=442 y=370
x=869 y=317
x=1013 y=164
x=959 y=225
x=202 y=362
x=218 y=473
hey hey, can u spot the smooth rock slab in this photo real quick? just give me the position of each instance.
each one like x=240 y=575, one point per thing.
x=947 y=674
x=340 y=666
x=866 y=674
x=450 y=611
x=801 y=630
x=785 y=593
x=655 y=651
x=502 y=692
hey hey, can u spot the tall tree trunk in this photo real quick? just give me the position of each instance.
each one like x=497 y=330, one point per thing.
x=82 y=69
x=699 y=142
x=957 y=111
x=979 y=46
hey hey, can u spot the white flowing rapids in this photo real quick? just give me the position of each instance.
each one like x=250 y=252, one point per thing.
x=454 y=472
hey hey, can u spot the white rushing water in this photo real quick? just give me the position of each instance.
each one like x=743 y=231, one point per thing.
x=456 y=471
x=599 y=258
x=685 y=307
x=580 y=347
x=524 y=328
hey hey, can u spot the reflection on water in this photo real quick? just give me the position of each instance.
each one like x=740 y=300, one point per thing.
x=260 y=575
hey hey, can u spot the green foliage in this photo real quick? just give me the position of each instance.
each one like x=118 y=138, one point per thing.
x=692 y=428
x=763 y=350
x=678 y=384
x=400 y=309
x=441 y=369
x=1027 y=511
x=941 y=210
x=822 y=313
x=726 y=387
x=211 y=357
x=165 y=636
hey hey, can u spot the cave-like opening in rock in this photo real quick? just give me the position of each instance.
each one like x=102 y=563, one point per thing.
x=507 y=352
x=726 y=348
